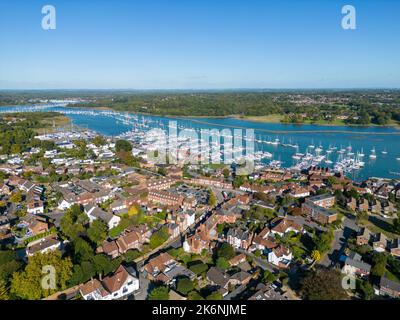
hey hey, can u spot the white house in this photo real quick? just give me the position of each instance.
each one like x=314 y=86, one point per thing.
x=117 y=286
x=35 y=207
x=93 y=212
x=43 y=245
x=64 y=204
x=353 y=265
x=280 y=256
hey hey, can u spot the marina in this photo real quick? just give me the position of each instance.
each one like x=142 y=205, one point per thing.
x=360 y=152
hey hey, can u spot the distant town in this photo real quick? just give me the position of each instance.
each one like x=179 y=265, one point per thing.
x=88 y=217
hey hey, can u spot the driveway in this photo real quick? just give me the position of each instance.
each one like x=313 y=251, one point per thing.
x=143 y=288
x=263 y=264
x=341 y=237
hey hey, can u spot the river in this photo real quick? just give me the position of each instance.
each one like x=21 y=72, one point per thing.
x=385 y=140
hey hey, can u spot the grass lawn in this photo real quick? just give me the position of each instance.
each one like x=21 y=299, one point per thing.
x=378 y=229
x=391 y=276
x=47 y=123
x=268 y=118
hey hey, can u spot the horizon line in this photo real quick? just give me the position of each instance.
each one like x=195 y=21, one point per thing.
x=206 y=89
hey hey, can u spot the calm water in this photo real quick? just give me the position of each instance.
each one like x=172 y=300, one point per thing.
x=359 y=138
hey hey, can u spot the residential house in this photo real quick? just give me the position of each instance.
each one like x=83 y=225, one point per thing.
x=354 y=266
x=110 y=248
x=239 y=238
x=389 y=288
x=160 y=184
x=35 y=224
x=43 y=245
x=93 y=212
x=166 y=269
x=324 y=200
x=363 y=205
x=165 y=198
x=379 y=242
x=280 y=256
x=219 y=278
x=119 y=285
x=263 y=241
x=240 y=258
x=394 y=247
x=267 y=292
x=5 y=189
x=211 y=182
x=319 y=214
x=352 y=204
x=35 y=207
x=284 y=225
x=299 y=192
x=363 y=236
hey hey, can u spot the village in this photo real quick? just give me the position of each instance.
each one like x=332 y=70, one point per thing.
x=122 y=227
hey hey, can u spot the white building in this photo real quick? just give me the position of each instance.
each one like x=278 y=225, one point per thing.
x=117 y=286
x=280 y=256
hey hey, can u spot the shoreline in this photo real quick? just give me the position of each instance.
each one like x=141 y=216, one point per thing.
x=254 y=119
x=250 y=119
x=198 y=119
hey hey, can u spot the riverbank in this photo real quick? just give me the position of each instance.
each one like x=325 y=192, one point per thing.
x=277 y=118
x=272 y=118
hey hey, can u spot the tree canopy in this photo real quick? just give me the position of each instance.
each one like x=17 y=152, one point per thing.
x=322 y=284
x=28 y=284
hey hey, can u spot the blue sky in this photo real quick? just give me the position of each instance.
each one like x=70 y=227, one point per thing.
x=171 y=44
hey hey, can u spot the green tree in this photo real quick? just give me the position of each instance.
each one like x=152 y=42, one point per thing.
x=159 y=237
x=268 y=276
x=27 y=284
x=184 y=286
x=323 y=241
x=123 y=145
x=226 y=172
x=367 y=291
x=82 y=250
x=73 y=221
x=16 y=197
x=159 y=293
x=212 y=201
x=162 y=171
x=396 y=225
x=316 y=255
x=226 y=251
x=97 y=232
x=3 y=291
x=222 y=263
x=104 y=265
x=99 y=141
x=194 y=295
x=238 y=181
x=322 y=284
x=199 y=268
x=15 y=149
x=9 y=263
x=215 y=296
x=379 y=261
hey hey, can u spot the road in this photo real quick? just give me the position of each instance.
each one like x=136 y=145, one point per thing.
x=144 y=284
x=263 y=264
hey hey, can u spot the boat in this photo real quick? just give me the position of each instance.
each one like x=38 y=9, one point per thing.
x=373 y=153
